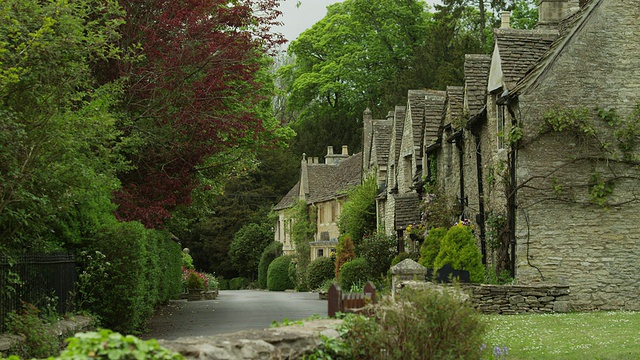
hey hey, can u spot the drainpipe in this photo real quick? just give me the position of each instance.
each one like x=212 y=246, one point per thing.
x=511 y=200
x=461 y=163
x=481 y=216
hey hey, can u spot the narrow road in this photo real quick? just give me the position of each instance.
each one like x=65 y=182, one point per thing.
x=232 y=311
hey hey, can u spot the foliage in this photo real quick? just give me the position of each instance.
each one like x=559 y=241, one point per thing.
x=59 y=157
x=458 y=249
x=561 y=336
x=437 y=209
x=379 y=250
x=345 y=252
x=341 y=65
x=358 y=215
x=524 y=14
x=238 y=283
x=186 y=261
x=40 y=339
x=144 y=271
x=194 y=281
x=197 y=99
x=431 y=247
x=272 y=251
x=302 y=232
x=211 y=282
x=320 y=270
x=420 y=324
x=247 y=247
x=399 y=258
x=353 y=272
x=278 y=274
x=106 y=344
x=94 y=270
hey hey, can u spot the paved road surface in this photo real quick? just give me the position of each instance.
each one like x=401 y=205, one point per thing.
x=232 y=311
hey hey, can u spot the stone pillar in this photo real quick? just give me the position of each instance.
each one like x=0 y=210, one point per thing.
x=406 y=270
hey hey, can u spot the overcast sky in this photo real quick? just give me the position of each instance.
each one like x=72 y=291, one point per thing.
x=297 y=20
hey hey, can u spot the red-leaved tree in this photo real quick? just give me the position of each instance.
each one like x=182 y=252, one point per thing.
x=196 y=85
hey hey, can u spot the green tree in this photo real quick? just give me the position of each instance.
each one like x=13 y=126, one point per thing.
x=247 y=247
x=58 y=153
x=358 y=216
x=459 y=249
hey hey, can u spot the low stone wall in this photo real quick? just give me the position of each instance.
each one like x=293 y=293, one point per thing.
x=518 y=299
x=287 y=342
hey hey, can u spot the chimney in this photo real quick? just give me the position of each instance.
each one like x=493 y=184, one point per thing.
x=506 y=17
x=552 y=12
x=345 y=150
x=367 y=129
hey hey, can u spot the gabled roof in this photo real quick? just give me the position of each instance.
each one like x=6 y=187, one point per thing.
x=382 y=141
x=476 y=73
x=515 y=51
x=415 y=111
x=400 y=112
x=455 y=103
x=570 y=27
x=434 y=110
x=407 y=209
x=290 y=199
x=327 y=182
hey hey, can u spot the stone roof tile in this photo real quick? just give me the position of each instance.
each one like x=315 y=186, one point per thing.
x=476 y=75
x=407 y=209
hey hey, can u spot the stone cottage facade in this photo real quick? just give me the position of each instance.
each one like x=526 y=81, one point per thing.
x=531 y=150
x=323 y=187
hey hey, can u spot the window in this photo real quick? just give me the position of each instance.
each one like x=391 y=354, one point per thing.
x=320 y=252
x=321 y=214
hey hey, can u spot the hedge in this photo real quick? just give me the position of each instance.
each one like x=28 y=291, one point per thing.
x=320 y=270
x=278 y=274
x=353 y=272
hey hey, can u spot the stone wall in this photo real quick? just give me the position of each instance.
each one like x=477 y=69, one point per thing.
x=518 y=299
x=595 y=250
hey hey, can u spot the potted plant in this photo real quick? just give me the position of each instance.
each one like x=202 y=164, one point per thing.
x=195 y=285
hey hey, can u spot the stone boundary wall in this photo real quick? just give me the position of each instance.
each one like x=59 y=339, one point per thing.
x=518 y=299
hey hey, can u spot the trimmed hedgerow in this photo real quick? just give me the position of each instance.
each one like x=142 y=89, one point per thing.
x=431 y=247
x=278 y=274
x=459 y=249
x=353 y=272
x=271 y=252
x=320 y=270
x=238 y=283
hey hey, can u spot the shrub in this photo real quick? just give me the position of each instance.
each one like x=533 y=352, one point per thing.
x=345 y=252
x=144 y=271
x=109 y=345
x=459 y=250
x=358 y=215
x=319 y=271
x=278 y=274
x=194 y=281
x=421 y=324
x=271 y=252
x=353 y=272
x=238 y=283
x=223 y=284
x=431 y=247
x=379 y=251
x=40 y=340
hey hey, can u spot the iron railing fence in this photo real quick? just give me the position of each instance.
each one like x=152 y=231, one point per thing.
x=44 y=280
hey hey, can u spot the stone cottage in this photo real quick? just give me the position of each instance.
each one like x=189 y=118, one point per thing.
x=323 y=187
x=547 y=157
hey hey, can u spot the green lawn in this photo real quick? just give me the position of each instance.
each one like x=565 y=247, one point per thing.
x=583 y=336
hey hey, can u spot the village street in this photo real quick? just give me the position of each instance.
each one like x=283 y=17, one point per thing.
x=233 y=310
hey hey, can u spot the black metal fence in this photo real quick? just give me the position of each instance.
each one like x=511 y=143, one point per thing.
x=43 y=280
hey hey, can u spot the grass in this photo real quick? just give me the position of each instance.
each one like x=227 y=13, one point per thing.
x=583 y=336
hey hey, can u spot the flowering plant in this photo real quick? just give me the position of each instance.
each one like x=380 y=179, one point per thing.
x=465 y=222
x=192 y=279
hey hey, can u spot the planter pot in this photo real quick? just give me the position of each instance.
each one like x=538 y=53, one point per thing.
x=211 y=295
x=194 y=295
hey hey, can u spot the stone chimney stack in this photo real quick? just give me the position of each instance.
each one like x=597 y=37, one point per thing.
x=367 y=135
x=506 y=19
x=552 y=12
x=334 y=159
